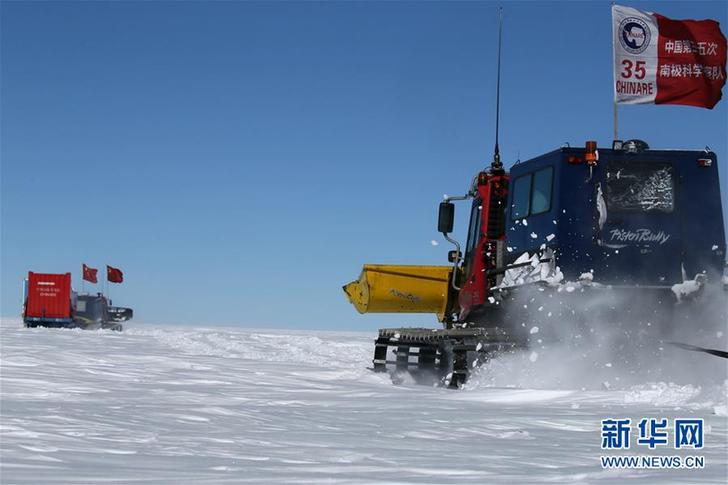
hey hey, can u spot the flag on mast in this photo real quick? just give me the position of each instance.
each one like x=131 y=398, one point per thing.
x=114 y=275
x=90 y=274
x=658 y=60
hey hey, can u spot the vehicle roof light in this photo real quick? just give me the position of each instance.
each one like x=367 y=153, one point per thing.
x=574 y=160
x=591 y=155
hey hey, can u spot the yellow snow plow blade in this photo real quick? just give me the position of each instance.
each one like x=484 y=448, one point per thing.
x=385 y=288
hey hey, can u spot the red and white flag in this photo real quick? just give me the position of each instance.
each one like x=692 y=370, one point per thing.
x=89 y=274
x=663 y=61
x=114 y=275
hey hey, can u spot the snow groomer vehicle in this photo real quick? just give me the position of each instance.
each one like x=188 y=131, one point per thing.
x=628 y=234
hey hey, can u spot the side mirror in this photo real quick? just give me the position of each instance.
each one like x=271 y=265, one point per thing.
x=446 y=217
x=454 y=255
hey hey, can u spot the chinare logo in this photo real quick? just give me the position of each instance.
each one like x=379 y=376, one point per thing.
x=634 y=35
x=639 y=236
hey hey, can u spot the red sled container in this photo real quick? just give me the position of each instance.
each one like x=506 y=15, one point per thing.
x=48 y=299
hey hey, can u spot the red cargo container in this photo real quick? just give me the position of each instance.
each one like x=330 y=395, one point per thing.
x=49 y=297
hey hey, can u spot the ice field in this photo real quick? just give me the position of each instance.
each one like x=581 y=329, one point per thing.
x=227 y=405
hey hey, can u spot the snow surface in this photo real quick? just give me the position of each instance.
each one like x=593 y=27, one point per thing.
x=227 y=405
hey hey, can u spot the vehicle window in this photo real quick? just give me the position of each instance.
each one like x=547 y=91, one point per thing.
x=473 y=233
x=521 y=197
x=474 y=230
x=640 y=187
x=541 y=194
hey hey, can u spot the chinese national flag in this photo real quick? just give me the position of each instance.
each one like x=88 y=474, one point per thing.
x=114 y=275
x=89 y=274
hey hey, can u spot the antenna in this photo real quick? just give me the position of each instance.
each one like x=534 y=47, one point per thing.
x=496 y=164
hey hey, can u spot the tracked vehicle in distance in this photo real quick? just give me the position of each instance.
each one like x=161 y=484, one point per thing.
x=49 y=301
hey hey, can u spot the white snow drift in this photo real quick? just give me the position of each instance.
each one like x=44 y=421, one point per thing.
x=223 y=405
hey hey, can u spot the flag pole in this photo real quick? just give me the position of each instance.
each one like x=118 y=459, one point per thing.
x=614 y=101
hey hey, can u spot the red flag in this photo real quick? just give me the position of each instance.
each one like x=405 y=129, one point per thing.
x=114 y=275
x=663 y=61
x=89 y=274
x=697 y=48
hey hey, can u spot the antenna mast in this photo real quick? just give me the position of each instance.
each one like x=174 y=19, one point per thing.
x=496 y=164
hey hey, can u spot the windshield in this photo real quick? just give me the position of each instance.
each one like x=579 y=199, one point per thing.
x=640 y=187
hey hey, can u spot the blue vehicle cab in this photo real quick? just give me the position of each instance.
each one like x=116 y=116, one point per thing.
x=632 y=217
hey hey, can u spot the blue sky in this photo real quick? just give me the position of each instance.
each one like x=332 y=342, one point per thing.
x=240 y=161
